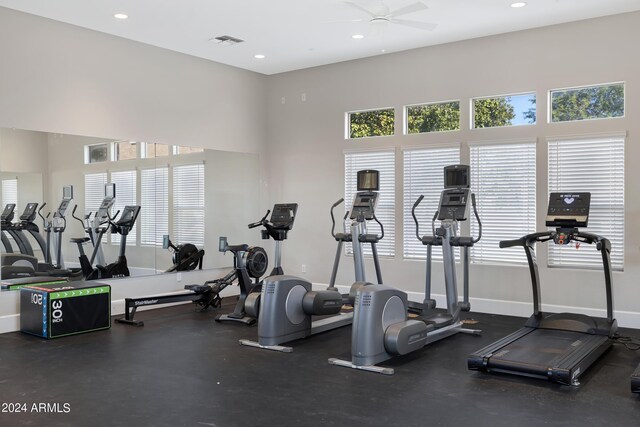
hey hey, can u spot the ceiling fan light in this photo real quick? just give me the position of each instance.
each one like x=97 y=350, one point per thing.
x=518 y=4
x=357 y=36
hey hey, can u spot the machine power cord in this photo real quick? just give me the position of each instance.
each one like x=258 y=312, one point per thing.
x=630 y=343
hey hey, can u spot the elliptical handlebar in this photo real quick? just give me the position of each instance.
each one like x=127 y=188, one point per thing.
x=73 y=214
x=333 y=219
x=475 y=213
x=413 y=214
x=375 y=218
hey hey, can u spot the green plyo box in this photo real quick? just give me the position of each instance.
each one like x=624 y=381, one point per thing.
x=58 y=310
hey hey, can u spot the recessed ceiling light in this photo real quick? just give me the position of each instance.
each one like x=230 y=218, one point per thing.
x=120 y=16
x=357 y=36
x=518 y=4
x=259 y=56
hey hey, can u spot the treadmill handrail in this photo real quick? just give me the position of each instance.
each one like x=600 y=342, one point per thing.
x=528 y=243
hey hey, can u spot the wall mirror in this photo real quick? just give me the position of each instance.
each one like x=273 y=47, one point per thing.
x=190 y=194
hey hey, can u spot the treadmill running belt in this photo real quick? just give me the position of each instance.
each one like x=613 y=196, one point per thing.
x=542 y=349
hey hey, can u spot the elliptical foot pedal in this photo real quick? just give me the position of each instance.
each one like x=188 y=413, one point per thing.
x=255 y=344
x=369 y=368
x=229 y=318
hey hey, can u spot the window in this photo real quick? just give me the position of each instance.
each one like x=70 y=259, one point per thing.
x=424 y=175
x=597 y=166
x=125 y=182
x=510 y=110
x=125 y=150
x=436 y=117
x=384 y=162
x=149 y=150
x=96 y=153
x=94 y=191
x=592 y=102
x=178 y=149
x=370 y=123
x=154 y=201
x=503 y=177
x=9 y=191
x=188 y=204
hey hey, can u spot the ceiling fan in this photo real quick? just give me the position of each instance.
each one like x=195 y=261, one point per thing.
x=382 y=15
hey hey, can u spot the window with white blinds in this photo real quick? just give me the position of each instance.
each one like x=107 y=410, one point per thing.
x=154 y=202
x=595 y=165
x=424 y=175
x=94 y=191
x=503 y=178
x=188 y=204
x=384 y=162
x=125 y=182
x=9 y=191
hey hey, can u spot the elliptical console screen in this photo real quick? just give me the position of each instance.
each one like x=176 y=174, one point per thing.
x=364 y=203
x=456 y=176
x=568 y=210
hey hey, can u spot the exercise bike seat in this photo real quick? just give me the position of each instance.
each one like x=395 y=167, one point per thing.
x=79 y=240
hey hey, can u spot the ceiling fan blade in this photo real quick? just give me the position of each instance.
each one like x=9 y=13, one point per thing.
x=415 y=7
x=416 y=24
x=360 y=8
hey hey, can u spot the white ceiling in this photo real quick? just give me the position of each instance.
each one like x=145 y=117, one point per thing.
x=295 y=34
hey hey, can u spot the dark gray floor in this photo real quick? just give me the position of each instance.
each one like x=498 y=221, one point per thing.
x=183 y=369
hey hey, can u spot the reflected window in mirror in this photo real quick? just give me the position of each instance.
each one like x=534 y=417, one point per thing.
x=9 y=191
x=124 y=150
x=97 y=153
x=188 y=204
x=125 y=182
x=178 y=149
x=93 y=191
x=154 y=202
x=149 y=150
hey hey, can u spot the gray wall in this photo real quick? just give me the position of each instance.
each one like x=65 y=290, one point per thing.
x=306 y=143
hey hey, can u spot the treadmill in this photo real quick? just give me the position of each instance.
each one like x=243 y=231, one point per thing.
x=558 y=347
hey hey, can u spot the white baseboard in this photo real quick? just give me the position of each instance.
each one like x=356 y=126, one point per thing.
x=626 y=319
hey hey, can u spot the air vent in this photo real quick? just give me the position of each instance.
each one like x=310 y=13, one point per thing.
x=271 y=288
x=226 y=40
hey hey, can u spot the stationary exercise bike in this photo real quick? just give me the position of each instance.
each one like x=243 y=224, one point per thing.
x=381 y=327
x=289 y=303
x=248 y=306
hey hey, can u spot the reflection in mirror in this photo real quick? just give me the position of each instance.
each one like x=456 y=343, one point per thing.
x=187 y=195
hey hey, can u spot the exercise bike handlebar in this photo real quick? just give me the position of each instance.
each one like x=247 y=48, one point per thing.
x=262 y=222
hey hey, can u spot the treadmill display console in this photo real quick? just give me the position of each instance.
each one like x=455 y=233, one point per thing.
x=7 y=213
x=29 y=213
x=568 y=210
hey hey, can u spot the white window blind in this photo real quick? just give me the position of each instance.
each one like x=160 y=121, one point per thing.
x=9 y=191
x=125 y=182
x=424 y=175
x=383 y=162
x=188 y=204
x=597 y=166
x=154 y=201
x=503 y=177
x=94 y=191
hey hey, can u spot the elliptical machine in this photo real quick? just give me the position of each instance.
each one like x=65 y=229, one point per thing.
x=381 y=327
x=248 y=306
x=289 y=303
x=363 y=209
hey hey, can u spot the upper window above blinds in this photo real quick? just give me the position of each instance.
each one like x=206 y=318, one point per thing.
x=125 y=182
x=433 y=117
x=9 y=191
x=509 y=110
x=503 y=177
x=94 y=191
x=361 y=124
x=154 y=201
x=384 y=162
x=586 y=103
x=188 y=204
x=595 y=165
x=424 y=175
